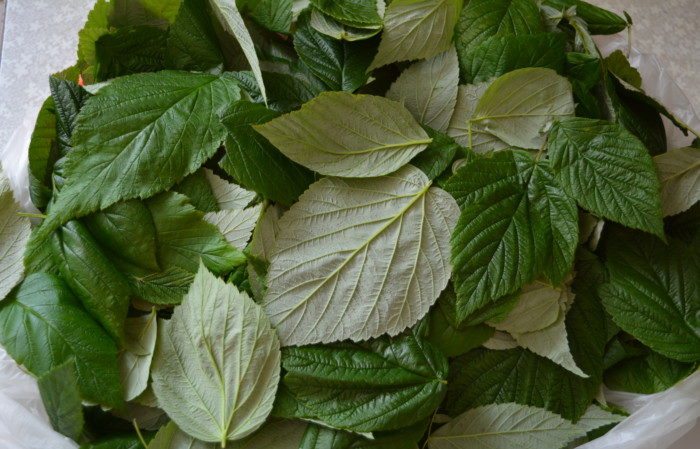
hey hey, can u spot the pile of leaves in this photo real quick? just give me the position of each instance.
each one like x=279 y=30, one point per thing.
x=277 y=224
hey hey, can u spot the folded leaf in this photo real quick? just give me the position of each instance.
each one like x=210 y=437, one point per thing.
x=599 y=20
x=225 y=391
x=416 y=30
x=121 y=154
x=331 y=27
x=608 y=171
x=43 y=152
x=356 y=13
x=135 y=360
x=59 y=393
x=516 y=224
x=679 y=173
x=14 y=235
x=171 y=437
x=42 y=326
x=504 y=426
x=341 y=134
x=652 y=293
x=362 y=274
x=428 y=89
x=384 y=384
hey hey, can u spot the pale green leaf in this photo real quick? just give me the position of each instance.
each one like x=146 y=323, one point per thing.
x=383 y=248
x=416 y=29
x=135 y=360
x=465 y=132
x=14 y=235
x=171 y=437
x=228 y=196
x=538 y=307
x=679 y=173
x=330 y=27
x=217 y=362
x=120 y=136
x=262 y=247
x=275 y=434
x=595 y=418
x=520 y=106
x=341 y=134
x=608 y=171
x=505 y=426
x=501 y=341
x=232 y=21
x=428 y=89
x=236 y=225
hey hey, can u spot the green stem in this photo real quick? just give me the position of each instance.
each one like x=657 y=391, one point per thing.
x=31 y=215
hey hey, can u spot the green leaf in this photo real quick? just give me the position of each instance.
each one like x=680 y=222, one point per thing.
x=179 y=108
x=519 y=107
x=538 y=307
x=231 y=20
x=652 y=293
x=340 y=65
x=428 y=89
x=14 y=235
x=255 y=163
x=482 y=19
x=599 y=21
x=59 y=393
x=164 y=9
x=130 y=50
x=355 y=13
x=43 y=152
x=231 y=391
x=342 y=134
x=135 y=360
x=192 y=41
x=171 y=437
x=383 y=384
x=317 y=437
x=89 y=272
x=502 y=54
x=639 y=118
x=285 y=92
x=416 y=30
x=383 y=248
x=485 y=376
x=69 y=99
x=331 y=27
x=618 y=64
x=274 y=434
x=126 y=229
x=438 y=156
x=651 y=373
x=504 y=426
x=608 y=171
x=275 y=15
x=516 y=224
x=679 y=174
x=116 y=442
x=42 y=326
x=200 y=190
x=455 y=341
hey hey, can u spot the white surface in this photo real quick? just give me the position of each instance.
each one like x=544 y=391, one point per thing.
x=40 y=39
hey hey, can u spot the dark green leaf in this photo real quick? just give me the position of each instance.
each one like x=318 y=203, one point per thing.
x=43 y=152
x=317 y=437
x=647 y=374
x=653 y=292
x=284 y=92
x=438 y=157
x=130 y=50
x=516 y=224
x=618 y=64
x=455 y=341
x=198 y=189
x=584 y=68
x=122 y=134
x=482 y=19
x=118 y=442
x=608 y=171
x=127 y=230
x=485 y=376
x=42 y=326
x=355 y=13
x=69 y=99
x=93 y=278
x=502 y=54
x=341 y=65
x=275 y=15
x=59 y=393
x=254 y=162
x=384 y=384
x=599 y=21
x=192 y=41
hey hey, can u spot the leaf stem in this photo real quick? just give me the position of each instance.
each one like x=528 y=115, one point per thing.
x=31 y=215
x=139 y=435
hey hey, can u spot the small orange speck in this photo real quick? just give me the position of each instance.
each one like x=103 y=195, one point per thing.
x=81 y=82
